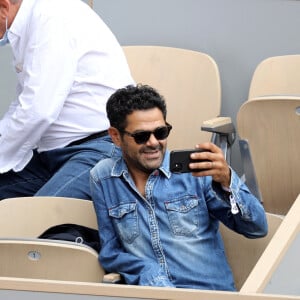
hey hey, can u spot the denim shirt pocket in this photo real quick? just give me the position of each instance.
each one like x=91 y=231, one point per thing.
x=183 y=214
x=126 y=220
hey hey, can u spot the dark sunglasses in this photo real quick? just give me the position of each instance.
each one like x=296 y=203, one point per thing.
x=141 y=137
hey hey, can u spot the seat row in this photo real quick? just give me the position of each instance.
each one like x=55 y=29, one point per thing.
x=268 y=126
x=23 y=255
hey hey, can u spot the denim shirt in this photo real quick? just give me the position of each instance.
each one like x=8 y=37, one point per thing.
x=170 y=237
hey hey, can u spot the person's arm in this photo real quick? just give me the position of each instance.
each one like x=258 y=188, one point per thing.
x=227 y=197
x=48 y=72
x=114 y=258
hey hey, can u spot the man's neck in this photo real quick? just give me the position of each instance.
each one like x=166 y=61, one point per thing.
x=140 y=179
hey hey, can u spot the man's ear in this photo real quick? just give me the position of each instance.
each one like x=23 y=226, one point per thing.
x=4 y=5
x=114 y=134
x=4 y=9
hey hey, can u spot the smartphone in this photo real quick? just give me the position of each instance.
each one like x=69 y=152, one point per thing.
x=180 y=160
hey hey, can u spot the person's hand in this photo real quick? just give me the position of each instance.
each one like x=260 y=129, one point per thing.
x=214 y=165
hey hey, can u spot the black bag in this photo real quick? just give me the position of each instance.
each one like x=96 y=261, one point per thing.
x=73 y=233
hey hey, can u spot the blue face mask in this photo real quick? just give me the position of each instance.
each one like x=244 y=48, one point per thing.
x=4 y=39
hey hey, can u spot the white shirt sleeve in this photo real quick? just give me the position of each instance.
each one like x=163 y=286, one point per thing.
x=48 y=71
x=67 y=67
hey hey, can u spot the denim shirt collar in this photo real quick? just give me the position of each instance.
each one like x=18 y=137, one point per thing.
x=120 y=167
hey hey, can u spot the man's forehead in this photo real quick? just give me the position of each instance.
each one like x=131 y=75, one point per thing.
x=150 y=118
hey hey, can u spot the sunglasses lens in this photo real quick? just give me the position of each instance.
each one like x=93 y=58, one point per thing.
x=161 y=133
x=142 y=137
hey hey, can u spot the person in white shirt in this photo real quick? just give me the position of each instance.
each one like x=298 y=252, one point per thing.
x=68 y=63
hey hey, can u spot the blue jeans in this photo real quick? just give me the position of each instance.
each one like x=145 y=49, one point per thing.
x=61 y=172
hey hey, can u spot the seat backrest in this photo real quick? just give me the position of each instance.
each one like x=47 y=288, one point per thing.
x=277 y=75
x=243 y=253
x=271 y=125
x=47 y=259
x=28 y=217
x=277 y=270
x=189 y=81
x=23 y=219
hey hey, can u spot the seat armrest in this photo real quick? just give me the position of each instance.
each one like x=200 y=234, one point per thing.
x=224 y=133
x=221 y=125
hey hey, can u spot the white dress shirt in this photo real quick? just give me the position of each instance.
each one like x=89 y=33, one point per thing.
x=68 y=63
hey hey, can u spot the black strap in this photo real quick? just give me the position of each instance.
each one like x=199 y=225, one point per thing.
x=89 y=138
x=73 y=233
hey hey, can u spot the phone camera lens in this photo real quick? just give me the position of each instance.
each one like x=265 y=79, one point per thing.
x=177 y=167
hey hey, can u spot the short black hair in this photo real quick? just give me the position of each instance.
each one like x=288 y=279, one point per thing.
x=126 y=100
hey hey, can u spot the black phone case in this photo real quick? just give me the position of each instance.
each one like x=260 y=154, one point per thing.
x=180 y=160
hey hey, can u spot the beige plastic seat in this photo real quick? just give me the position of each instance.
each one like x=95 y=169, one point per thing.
x=189 y=81
x=49 y=259
x=277 y=270
x=23 y=255
x=268 y=125
x=243 y=253
x=28 y=217
x=271 y=126
x=278 y=75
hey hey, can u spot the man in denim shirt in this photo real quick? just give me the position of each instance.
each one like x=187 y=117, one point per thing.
x=159 y=228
